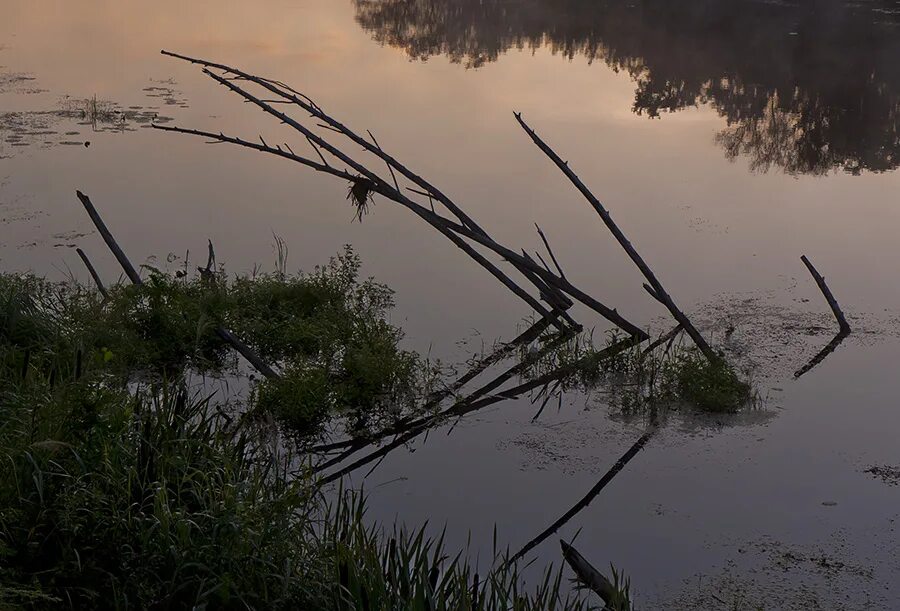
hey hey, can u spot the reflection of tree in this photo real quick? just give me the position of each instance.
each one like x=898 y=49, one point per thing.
x=806 y=88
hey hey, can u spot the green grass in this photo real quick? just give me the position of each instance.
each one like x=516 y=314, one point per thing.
x=149 y=499
x=123 y=488
x=672 y=374
x=326 y=329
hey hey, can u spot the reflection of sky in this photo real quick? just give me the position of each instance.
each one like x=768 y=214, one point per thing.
x=707 y=226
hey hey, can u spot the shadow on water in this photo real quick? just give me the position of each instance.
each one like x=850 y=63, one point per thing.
x=806 y=88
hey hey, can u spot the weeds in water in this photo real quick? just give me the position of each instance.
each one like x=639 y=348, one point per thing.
x=121 y=488
x=326 y=329
x=640 y=377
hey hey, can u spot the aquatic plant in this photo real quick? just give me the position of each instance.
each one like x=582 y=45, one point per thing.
x=664 y=373
x=325 y=329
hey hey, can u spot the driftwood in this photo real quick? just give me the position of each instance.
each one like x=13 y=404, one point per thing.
x=655 y=287
x=590 y=577
x=132 y=274
x=548 y=283
x=592 y=493
x=93 y=273
x=829 y=297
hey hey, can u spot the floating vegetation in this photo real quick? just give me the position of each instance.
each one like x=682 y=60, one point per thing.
x=46 y=128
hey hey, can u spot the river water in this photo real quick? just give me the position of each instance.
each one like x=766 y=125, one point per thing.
x=726 y=138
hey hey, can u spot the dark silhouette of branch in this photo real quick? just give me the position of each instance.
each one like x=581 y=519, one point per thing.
x=93 y=273
x=658 y=291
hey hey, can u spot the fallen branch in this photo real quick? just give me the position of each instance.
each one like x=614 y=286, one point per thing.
x=468 y=228
x=446 y=227
x=657 y=291
x=829 y=297
x=93 y=273
x=223 y=333
x=589 y=576
x=109 y=239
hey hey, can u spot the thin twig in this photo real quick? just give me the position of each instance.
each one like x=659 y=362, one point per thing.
x=549 y=250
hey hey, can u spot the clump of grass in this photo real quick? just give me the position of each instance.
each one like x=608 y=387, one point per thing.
x=409 y=570
x=326 y=329
x=712 y=386
x=122 y=489
x=671 y=374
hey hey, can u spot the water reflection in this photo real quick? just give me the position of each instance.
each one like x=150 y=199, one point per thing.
x=806 y=89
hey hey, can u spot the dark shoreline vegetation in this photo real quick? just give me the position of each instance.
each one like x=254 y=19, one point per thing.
x=127 y=485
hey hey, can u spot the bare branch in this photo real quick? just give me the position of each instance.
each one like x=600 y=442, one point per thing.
x=658 y=291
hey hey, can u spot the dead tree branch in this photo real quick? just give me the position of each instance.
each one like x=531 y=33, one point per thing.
x=468 y=228
x=587 y=574
x=93 y=273
x=225 y=334
x=829 y=297
x=109 y=239
x=658 y=291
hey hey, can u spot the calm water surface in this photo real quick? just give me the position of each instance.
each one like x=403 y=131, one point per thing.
x=726 y=138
